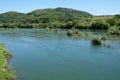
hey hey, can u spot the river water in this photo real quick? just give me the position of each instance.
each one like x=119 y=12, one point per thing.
x=41 y=55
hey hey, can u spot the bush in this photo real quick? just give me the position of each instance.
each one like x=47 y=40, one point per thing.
x=112 y=21
x=70 y=32
x=74 y=32
x=96 y=41
x=104 y=37
x=114 y=31
x=100 y=25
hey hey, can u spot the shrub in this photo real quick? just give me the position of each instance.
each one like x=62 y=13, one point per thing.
x=74 y=32
x=56 y=30
x=96 y=41
x=100 y=25
x=112 y=21
x=114 y=31
x=70 y=32
x=104 y=37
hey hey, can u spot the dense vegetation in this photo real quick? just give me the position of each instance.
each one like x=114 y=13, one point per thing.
x=57 y=18
x=5 y=72
x=42 y=18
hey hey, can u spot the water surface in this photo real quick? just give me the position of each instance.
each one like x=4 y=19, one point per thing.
x=54 y=56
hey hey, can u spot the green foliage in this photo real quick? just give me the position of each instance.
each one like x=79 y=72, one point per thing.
x=5 y=72
x=74 y=33
x=117 y=16
x=64 y=18
x=100 y=25
x=104 y=37
x=72 y=12
x=114 y=31
x=10 y=17
x=96 y=41
x=112 y=21
x=58 y=17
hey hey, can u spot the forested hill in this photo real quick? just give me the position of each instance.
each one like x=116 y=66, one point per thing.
x=43 y=15
x=12 y=16
x=57 y=18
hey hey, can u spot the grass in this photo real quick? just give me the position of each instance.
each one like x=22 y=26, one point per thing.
x=5 y=71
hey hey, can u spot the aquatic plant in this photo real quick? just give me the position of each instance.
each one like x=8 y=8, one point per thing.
x=70 y=32
x=114 y=31
x=104 y=37
x=96 y=41
x=56 y=29
x=47 y=29
x=74 y=33
x=86 y=34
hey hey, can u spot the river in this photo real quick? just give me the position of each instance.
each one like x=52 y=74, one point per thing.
x=41 y=55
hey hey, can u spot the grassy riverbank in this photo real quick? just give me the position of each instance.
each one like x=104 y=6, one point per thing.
x=5 y=71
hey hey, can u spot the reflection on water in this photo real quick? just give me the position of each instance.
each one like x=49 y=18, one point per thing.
x=53 y=56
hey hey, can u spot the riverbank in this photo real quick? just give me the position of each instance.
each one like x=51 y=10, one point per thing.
x=5 y=70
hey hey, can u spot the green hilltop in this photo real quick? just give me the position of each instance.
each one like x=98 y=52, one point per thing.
x=43 y=15
x=57 y=18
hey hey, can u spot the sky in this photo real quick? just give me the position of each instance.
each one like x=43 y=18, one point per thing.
x=95 y=7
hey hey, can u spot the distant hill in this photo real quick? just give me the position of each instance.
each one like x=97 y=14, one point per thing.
x=63 y=18
x=44 y=16
x=11 y=16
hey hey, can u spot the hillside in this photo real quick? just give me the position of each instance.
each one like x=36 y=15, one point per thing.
x=57 y=18
x=11 y=16
x=43 y=15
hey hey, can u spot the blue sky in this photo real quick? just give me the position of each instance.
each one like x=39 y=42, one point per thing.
x=95 y=7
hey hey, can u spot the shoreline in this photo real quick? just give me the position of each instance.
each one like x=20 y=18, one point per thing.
x=5 y=70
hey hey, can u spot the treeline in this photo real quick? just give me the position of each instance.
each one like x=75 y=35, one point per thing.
x=57 y=18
